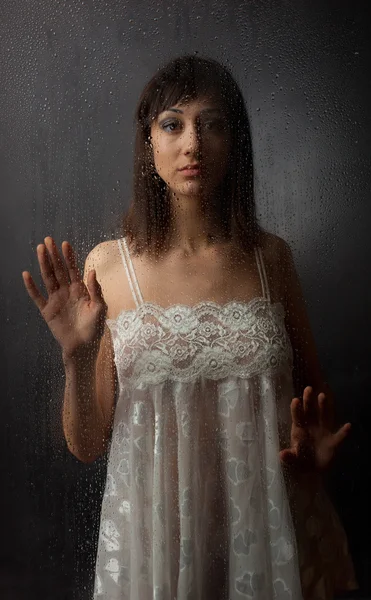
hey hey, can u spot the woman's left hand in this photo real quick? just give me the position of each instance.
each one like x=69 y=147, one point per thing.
x=313 y=443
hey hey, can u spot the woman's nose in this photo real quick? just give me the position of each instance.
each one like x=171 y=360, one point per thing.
x=192 y=140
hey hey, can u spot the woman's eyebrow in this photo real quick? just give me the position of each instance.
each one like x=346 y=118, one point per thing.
x=205 y=110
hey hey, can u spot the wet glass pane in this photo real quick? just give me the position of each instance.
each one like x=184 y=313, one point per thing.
x=185 y=199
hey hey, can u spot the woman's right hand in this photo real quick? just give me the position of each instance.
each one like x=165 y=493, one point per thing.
x=74 y=312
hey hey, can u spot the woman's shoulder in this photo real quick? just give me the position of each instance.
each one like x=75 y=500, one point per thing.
x=275 y=249
x=277 y=260
x=106 y=259
x=102 y=256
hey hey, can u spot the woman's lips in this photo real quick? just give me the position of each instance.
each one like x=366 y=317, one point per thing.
x=191 y=172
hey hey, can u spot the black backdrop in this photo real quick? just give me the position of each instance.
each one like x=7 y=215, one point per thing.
x=71 y=73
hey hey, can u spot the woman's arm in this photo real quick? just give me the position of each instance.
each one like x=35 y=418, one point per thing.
x=313 y=439
x=307 y=370
x=90 y=391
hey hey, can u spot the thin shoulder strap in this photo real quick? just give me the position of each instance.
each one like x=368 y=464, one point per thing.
x=130 y=273
x=262 y=273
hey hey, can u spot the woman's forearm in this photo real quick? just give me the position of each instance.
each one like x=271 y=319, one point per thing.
x=84 y=426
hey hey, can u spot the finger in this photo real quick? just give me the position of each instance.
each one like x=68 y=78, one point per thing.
x=71 y=262
x=340 y=435
x=324 y=411
x=56 y=261
x=309 y=406
x=297 y=414
x=33 y=290
x=94 y=288
x=46 y=269
x=288 y=456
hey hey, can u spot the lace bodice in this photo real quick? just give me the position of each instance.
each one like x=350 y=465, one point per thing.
x=153 y=344
x=181 y=342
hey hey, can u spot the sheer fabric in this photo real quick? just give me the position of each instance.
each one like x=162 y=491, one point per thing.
x=195 y=505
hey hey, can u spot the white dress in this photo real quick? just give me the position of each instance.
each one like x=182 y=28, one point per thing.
x=195 y=505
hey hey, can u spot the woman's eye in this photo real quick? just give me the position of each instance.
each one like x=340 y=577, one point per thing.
x=214 y=124
x=170 y=125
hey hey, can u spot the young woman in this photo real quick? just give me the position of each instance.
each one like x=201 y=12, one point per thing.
x=187 y=362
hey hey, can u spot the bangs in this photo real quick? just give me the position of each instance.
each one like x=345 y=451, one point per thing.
x=186 y=80
x=180 y=92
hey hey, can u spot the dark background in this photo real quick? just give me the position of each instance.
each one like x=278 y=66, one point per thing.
x=71 y=73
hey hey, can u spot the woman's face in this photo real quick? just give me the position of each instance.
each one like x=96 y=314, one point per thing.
x=190 y=146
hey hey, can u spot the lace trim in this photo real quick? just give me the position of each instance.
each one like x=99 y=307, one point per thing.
x=153 y=344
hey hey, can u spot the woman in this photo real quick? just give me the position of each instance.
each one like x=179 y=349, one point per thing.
x=199 y=327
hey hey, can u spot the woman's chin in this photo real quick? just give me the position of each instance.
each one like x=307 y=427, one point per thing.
x=191 y=188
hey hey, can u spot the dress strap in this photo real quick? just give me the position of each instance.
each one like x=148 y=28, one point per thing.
x=130 y=273
x=262 y=273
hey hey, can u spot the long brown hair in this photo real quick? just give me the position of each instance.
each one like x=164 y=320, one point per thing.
x=148 y=220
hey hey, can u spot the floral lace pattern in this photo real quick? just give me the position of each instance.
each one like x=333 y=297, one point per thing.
x=153 y=344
